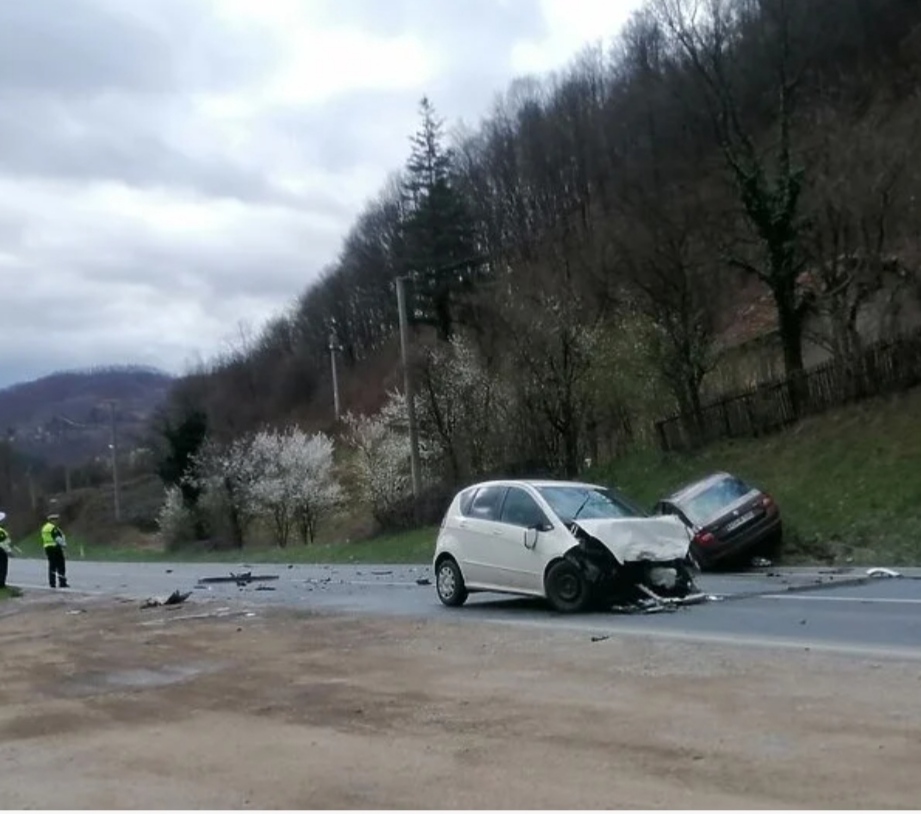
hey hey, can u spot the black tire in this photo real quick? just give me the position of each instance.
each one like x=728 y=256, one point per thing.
x=567 y=589
x=449 y=583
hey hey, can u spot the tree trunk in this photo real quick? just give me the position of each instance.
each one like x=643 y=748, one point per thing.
x=790 y=326
x=236 y=527
x=571 y=451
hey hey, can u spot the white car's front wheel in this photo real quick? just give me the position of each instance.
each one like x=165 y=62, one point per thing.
x=449 y=582
x=566 y=588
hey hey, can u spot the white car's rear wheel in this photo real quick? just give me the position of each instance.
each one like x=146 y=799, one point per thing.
x=449 y=583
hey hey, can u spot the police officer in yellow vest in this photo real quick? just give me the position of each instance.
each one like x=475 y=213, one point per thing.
x=5 y=551
x=54 y=542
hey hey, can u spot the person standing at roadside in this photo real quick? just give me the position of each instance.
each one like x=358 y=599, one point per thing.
x=5 y=551
x=54 y=542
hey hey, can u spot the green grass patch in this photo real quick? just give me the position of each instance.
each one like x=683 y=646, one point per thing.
x=415 y=546
x=10 y=592
x=848 y=483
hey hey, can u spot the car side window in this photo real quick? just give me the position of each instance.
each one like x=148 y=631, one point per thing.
x=485 y=505
x=520 y=509
x=466 y=499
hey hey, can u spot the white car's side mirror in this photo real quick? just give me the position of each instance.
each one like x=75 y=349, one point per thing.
x=530 y=538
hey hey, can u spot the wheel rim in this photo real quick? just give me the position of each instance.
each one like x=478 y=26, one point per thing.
x=447 y=584
x=568 y=587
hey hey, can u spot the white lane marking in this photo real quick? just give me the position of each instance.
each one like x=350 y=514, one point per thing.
x=372 y=582
x=729 y=639
x=25 y=585
x=857 y=599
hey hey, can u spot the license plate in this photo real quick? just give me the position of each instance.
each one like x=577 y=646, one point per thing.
x=740 y=521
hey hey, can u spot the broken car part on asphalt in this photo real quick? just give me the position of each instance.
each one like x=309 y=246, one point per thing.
x=175 y=598
x=239 y=579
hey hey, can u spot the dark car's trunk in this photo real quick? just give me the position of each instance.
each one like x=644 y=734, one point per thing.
x=743 y=528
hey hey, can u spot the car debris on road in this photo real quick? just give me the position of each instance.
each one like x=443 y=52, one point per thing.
x=240 y=579
x=175 y=598
x=882 y=572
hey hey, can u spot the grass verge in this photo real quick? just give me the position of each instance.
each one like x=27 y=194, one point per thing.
x=848 y=483
x=416 y=546
x=10 y=592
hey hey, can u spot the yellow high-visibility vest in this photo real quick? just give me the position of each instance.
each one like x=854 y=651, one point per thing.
x=50 y=533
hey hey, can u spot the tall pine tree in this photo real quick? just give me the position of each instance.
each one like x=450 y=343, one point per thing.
x=438 y=229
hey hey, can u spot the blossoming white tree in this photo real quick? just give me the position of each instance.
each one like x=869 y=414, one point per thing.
x=286 y=477
x=382 y=466
x=297 y=486
x=227 y=476
x=174 y=519
x=317 y=492
x=464 y=410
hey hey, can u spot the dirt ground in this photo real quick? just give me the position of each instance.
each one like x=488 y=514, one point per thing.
x=104 y=705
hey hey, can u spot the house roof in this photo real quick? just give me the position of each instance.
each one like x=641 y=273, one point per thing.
x=753 y=315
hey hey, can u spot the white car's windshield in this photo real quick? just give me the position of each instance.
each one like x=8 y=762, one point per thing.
x=587 y=503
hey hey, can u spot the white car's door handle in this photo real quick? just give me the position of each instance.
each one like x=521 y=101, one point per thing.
x=496 y=533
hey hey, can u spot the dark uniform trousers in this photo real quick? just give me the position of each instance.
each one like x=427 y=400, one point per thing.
x=57 y=565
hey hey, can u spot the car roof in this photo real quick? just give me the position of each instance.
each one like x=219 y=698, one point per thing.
x=537 y=483
x=694 y=488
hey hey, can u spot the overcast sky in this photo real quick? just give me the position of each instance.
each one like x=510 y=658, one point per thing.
x=170 y=168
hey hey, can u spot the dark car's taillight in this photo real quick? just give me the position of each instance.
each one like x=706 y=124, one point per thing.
x=704 y=538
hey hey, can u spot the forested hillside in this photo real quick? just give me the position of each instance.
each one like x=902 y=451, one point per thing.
x=65 y=418
x=608 y=246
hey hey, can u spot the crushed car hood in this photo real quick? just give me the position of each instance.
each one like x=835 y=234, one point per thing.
x=637 y=539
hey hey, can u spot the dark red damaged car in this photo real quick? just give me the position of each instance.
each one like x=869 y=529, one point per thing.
x=732 y=522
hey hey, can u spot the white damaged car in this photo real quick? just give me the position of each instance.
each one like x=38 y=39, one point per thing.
x=577 y=545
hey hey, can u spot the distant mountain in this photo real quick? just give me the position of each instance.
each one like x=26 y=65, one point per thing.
x=65 y=417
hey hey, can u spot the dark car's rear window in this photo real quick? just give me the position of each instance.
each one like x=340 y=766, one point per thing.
x=706 y=505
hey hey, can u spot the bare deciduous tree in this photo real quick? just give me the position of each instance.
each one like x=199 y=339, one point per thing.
x=709 y=35
x=858 y=197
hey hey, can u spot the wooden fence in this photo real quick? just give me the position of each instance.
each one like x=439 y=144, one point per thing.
x=881 y=369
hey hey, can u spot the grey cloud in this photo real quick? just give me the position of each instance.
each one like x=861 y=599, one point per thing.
x=374 y=127
x=277 y=269
x=116 y=139
x=78 y=47
x=105 y=91
x=87 y=88
x=366 y=127
x=471 y=29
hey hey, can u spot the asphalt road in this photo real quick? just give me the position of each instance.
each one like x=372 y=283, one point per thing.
x=816 y=609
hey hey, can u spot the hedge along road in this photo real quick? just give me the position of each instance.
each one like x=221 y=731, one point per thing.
x=839 y=610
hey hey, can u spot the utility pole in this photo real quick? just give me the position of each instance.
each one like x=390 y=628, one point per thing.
x=333 y=347
x=408 y=390
x=8 y=466
x=33 y=494
x=114 y=447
